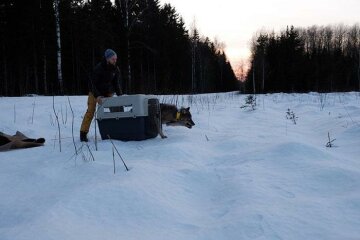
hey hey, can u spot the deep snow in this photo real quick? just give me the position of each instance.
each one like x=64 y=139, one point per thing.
x=238 y=174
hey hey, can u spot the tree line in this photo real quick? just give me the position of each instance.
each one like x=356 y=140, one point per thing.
x=156 y=53
x=317 y=58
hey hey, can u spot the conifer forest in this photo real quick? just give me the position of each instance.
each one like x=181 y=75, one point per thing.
x=316 y=58
x=51 y=47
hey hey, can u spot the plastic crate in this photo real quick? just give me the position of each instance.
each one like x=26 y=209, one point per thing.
x=129 y=117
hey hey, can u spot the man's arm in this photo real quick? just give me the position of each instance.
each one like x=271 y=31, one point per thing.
x=94 y=80
x=117 y=82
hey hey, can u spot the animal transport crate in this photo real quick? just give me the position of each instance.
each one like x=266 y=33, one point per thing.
x=129 y=117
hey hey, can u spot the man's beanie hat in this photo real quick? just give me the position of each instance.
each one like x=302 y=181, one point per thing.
x=109 y=53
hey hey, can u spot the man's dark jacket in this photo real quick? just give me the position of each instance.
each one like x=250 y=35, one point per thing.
x=106 y=80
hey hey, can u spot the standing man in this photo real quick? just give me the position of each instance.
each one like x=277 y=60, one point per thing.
x=105 y=81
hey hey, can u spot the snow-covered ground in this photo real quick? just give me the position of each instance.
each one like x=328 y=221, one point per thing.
x=238 y=174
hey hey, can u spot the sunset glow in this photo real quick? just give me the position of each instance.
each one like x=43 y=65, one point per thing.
x=235 y=22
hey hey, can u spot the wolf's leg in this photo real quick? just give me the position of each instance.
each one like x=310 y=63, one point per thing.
x=159 y=128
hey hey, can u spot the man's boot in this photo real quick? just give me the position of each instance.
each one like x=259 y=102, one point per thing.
x=83 y=137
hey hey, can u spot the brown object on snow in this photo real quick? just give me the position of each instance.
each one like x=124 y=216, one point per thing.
x=19 y=140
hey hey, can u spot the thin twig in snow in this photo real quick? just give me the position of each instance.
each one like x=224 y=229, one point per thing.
x=127 y=169
x=92 y=156
x=57 y=120
x=72 y=125
x=113 y=155
x=14 y=114
x=33 y=111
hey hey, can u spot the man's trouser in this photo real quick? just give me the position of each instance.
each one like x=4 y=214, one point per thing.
x=85 y=125
x=89 y=115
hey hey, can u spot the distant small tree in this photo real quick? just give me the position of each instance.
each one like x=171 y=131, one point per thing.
x=291 y=116
x=330 y=142
x=194 y=39
x=250 y=102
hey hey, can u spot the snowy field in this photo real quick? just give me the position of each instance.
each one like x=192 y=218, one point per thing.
x=238 y=174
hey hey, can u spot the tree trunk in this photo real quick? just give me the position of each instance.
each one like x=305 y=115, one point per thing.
x=128 y=45
x=154 y=72
x=254 y=77
x=193 y=67
x=148 y=73
x=129 y=65
x=35 y=65
x=46 y=91
x=78 y=73
x=59 y=72
x=74 y=73
x=359 y=68
x=5 y=92
x=263 y=75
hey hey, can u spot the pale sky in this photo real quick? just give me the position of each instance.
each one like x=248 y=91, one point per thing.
x=235 y=22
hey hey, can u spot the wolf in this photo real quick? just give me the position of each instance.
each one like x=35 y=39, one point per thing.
x=172 y=116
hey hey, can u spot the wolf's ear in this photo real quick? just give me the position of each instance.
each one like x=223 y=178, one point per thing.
x=188 y=109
